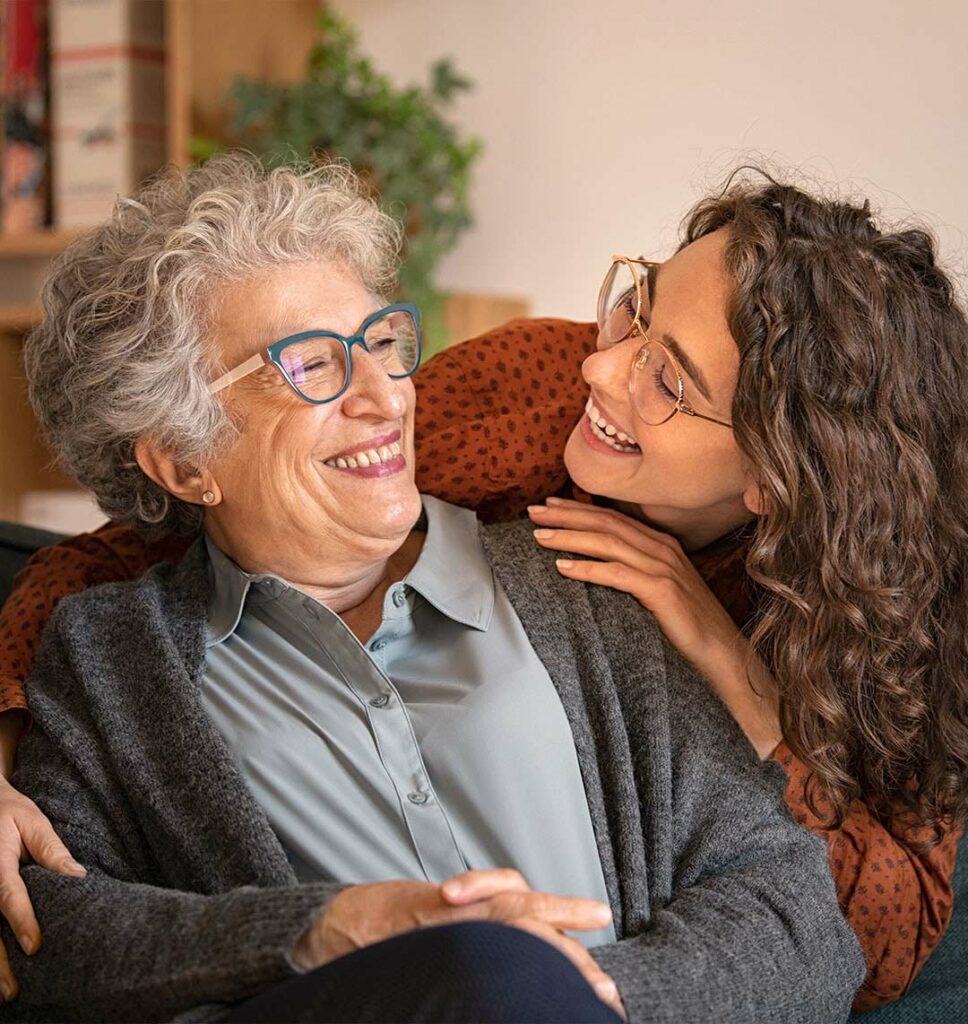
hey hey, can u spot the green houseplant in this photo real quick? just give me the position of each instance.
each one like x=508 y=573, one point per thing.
x=399 y=139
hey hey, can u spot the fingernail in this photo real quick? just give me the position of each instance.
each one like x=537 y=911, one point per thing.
x=537 y=510
x=27 y=944
x=544 y=534
x=564 y=563
x=452 y=889
x=75 y=867
x=554 y=501
x=6 y=991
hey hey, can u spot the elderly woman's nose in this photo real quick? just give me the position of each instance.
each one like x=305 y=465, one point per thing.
x=372 y=390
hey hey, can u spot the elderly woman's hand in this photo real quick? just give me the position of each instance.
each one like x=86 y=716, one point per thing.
x=364 y=914
x=25 y=833
x=651 y=566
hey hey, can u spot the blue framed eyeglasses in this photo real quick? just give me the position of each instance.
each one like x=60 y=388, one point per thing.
x=318 y=365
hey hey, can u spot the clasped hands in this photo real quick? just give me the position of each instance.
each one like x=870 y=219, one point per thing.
x=364 y=914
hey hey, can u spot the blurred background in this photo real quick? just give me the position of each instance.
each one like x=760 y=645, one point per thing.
x=521 y=142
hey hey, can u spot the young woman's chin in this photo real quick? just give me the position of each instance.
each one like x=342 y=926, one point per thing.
x=607 y=474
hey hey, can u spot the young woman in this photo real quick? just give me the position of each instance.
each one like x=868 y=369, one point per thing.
x=789 y=391
x=779 y=412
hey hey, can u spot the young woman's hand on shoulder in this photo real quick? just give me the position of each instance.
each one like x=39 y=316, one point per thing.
x=25 y=834
x=627 y=555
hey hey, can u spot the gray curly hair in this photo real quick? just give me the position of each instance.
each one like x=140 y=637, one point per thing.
x=120 y=354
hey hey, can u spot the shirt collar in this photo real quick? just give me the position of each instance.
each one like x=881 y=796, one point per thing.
x=227 y=593
x=464 y=594
x=451 y=571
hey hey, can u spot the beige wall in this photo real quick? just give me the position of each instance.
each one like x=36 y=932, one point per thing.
x=604 y=119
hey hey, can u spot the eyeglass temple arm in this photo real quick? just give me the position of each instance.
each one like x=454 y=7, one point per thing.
x=242 y=370
x=635 y=259
x=683 y=406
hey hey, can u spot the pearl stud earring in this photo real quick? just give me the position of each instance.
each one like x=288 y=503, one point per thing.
x=208 y=497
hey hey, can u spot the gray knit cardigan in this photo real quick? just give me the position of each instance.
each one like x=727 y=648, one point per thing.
x=724 y=908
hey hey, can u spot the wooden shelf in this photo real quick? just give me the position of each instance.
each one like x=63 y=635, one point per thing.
x=15 y=319
x=37 y=243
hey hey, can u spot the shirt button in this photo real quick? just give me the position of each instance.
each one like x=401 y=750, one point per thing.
x=399 y=597
x=378 y=645
x=417 y=798
x=381 y=701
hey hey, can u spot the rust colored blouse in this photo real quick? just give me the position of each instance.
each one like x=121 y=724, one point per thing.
x=492 y=419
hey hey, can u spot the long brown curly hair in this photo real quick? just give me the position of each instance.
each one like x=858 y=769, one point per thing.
x=851 y=406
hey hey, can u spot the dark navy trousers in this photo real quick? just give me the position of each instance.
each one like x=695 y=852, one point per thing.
x=476 y=972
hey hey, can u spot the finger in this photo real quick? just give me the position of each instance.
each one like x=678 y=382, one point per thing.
x=606 y=547
x=565 y=507
x=44 y=845
x=604 y=987
x=15 y=903
x=8 y=983
x=585 y=517
x=611 y=520
x=563 y=912
x=571 y=503
x=654 y=592
x=481 y=885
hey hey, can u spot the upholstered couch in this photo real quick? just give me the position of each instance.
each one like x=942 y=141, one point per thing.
x=939 y=996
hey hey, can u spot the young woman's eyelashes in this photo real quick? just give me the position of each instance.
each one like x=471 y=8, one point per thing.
x=659 y=378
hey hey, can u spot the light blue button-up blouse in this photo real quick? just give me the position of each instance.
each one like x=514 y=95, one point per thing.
x=439 y=746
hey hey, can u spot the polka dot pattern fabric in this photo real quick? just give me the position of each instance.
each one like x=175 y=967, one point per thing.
x=493 y=416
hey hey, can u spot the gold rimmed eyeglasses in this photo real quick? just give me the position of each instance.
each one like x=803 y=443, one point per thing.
x=657 y=385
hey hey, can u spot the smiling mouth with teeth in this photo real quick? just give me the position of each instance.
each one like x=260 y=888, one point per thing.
x=608 y=432
x=383 y=455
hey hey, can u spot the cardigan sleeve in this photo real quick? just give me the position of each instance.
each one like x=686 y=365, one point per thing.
x=896 y=896
x=112 y=552
x=748 y=929
x=118 y=943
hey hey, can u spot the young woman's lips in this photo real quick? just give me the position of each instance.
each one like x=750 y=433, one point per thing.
x=596 y=443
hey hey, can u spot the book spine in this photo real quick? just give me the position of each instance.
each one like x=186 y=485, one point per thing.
x=107 y=74
x=3 y=97
x=25 y=160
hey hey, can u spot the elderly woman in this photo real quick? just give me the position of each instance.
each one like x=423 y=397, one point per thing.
x=347 y=713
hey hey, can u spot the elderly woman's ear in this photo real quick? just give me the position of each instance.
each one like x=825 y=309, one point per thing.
x=189 y=483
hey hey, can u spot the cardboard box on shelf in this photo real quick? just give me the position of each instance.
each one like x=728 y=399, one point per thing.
x=107 y=103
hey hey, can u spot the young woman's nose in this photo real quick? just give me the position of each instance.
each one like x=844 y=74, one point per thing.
x=608 y=369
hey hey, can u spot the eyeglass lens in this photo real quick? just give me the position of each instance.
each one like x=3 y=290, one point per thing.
x=618 y=302
x=317 y=366
x=654 y=383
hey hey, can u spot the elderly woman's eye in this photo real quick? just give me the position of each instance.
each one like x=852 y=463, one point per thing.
x=306 y=366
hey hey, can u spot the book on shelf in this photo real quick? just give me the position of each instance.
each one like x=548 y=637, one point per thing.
x=24 y=164
x=108 y=103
